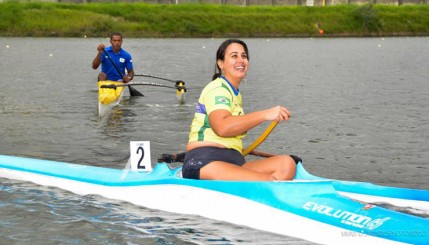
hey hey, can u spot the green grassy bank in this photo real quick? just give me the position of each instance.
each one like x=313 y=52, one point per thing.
x=197 y=20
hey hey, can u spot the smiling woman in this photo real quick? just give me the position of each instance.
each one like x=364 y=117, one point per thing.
x=215 y=142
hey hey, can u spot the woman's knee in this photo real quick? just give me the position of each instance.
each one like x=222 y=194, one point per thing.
x=287 y=168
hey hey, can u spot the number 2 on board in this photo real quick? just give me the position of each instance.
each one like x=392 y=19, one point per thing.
x=139 y=164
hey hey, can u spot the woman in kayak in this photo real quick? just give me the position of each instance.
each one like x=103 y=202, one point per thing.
x=214 y=150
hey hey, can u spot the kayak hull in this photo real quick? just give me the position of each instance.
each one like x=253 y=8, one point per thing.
x=308 y=209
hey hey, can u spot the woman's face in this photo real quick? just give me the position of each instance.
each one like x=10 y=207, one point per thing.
x=234 y=66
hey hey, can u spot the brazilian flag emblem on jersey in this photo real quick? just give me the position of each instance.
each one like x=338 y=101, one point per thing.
x=222 y=100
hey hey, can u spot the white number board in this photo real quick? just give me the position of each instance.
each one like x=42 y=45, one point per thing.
x=140 y=156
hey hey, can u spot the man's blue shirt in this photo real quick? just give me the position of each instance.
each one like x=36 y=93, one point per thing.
x=122 y=59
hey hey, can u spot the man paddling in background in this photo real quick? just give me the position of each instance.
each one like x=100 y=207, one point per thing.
x=121 y=58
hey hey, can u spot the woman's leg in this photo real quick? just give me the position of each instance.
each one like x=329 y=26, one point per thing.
x=281 y=167
x=218 y=170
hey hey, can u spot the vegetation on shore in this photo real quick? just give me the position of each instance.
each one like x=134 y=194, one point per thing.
x=202 y=20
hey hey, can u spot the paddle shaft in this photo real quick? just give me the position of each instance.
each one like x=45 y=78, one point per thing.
x=113 y=63
x=251 y=149
x=260 y=139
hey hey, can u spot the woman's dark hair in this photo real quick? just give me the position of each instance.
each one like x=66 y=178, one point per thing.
x=220 y=54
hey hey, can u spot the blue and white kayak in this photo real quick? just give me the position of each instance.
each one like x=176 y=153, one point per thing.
x=308 y=207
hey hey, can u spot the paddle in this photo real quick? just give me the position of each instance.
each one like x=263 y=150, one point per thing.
x=133 y=91
x=179 y=157
x=260 y=139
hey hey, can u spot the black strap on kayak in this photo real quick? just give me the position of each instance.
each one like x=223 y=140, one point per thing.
x=296 y=159
x=175 y=157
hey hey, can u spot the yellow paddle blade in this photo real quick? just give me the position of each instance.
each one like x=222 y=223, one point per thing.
x=261 y=138
x=109 y=95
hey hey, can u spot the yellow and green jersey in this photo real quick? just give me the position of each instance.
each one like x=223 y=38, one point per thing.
x=218 y=94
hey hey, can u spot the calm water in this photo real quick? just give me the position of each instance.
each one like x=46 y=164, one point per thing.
x=360 y=112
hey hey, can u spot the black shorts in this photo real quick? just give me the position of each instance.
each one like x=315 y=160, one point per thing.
x=201 y=156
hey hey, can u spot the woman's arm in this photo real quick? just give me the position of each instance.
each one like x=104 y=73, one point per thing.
x=224 y=124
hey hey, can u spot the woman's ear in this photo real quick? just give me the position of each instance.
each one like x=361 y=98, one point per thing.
x=220 y=65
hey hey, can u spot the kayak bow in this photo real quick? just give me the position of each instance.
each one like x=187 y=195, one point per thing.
x=372 y=193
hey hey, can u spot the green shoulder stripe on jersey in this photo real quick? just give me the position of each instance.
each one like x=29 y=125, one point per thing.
x=227 y=88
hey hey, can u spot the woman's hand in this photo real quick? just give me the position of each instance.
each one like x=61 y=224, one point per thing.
x=277 y=113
